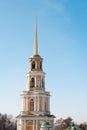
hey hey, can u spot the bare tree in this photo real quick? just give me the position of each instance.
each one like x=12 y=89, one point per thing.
x=83 y=126
x=7 y=123
x=63 y=123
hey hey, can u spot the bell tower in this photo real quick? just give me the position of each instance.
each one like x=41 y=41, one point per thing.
x=36 y=76
x=35 y=107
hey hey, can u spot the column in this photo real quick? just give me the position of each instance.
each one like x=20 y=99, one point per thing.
x=33 y=124
x=29 y=81
x=26 y=104
x=36 y=124
x=43 y=103
x=20 y=124
x=35 y=82
x=35 y=103
x=22 y=107
x=44 y=81
x=49 y=104
x=24 y=125
x=41 y=81
x=38 y=104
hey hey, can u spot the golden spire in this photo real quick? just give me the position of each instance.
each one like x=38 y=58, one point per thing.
x=35 y=40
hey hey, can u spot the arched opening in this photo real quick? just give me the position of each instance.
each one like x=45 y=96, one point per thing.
x=41 y=65
x=32 y=83
x=38 y=83
x=42 y=83
x=31 y=105
x=33 y=65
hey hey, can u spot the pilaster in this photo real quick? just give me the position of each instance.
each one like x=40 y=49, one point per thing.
x=34 y=103
x=33 y=124
x=20 y=124
x=26 y=104
x=35 y=82
x=24 y=125
x=22 y=105
x=43 y=103
x=38 y=104
x=49 y=104
x=36 y=124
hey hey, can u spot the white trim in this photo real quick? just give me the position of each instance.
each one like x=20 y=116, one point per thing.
x=36 y=124
x=26 y=104
x=24 y=125
x=37 y=118
x=38 y=104
x=20 y=124
x=34 y=103
x=41 y=81
x=44 y=81
x=35 y=82
x=36 y=73
x=48 y=103
x=33 y=124
x=38 y=94
x=22 y=106
x=27 y=83
x=42 y=103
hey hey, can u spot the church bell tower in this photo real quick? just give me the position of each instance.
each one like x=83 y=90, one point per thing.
x=35 y=106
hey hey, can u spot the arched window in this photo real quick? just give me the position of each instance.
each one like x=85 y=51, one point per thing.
x=33 y=65
x=41 y=65
x=42 y=83
x=32 y=82
x=31 y=105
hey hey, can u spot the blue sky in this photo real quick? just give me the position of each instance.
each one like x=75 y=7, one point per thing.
x=62 y=29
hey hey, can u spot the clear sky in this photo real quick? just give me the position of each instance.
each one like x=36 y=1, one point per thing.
x=62 y=37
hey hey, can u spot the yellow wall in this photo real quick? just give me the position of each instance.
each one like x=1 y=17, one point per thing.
x=29 y=123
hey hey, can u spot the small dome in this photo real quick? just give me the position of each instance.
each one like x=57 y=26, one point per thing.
x=36 y=56
x=45 y=125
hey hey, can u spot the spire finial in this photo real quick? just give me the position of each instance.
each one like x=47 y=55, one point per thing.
x=35 y=40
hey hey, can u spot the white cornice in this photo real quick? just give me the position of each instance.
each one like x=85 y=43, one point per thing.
x=37 y=118
x=37 y=93
x=36 y=73
x=32 y=95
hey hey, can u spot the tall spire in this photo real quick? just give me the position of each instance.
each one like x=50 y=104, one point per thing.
x=35 y=40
